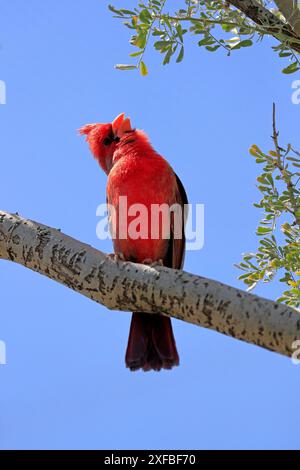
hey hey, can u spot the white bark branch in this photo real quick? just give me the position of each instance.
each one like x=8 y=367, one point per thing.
x=290 y=9
x=134 y=287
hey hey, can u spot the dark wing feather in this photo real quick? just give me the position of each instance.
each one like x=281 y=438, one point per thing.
x=176 y=250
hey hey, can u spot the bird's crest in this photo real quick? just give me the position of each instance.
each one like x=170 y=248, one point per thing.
x=85 y=130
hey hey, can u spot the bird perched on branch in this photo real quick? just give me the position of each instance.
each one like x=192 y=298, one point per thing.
x=139 y=174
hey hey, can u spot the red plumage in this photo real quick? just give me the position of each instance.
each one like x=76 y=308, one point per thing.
x=140 y=174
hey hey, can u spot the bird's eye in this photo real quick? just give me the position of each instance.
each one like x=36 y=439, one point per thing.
x=107 y=141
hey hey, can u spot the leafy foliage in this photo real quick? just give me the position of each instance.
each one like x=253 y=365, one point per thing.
x=279 y=186
x=214 y=23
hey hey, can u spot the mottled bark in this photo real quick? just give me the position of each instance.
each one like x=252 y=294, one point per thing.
x=265 y=18
x=291 y=11
x=133 y=287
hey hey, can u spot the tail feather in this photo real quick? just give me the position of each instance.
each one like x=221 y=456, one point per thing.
x=151 y=343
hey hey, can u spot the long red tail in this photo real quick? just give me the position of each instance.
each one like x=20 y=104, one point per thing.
x=151 y=343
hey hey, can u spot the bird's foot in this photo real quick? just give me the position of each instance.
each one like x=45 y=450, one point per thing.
x=116 y=257
x=153 y=264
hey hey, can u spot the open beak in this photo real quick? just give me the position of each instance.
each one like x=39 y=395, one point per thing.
x=120 y=125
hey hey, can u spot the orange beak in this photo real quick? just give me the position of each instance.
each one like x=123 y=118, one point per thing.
x=121 y=125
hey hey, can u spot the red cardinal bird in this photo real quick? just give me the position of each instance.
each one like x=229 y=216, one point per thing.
x=136 y=171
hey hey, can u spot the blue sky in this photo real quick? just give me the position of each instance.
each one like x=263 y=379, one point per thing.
x=65 y=384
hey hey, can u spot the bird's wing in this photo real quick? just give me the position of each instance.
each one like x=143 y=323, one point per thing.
x=176 y=250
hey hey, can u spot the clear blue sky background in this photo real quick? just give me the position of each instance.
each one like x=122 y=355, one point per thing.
x=65 y=384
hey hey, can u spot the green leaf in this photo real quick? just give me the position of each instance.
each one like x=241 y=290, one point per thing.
x=158 y=32
x=212 y=48
x=292 y=68
x=136 y=54
x=244 y=43
x=179 y=32
x=114 y=10
x=270 y=179
x=263 y=230
x=140 y=40
x=197 y=30
x=143 y=69
x=180 y=55
x=227 y=27
x=145 y=16
x=244 y=276
x=255 y=151
x=128 y=12
x=168 y=56
x=161 y=44
x=264 y=188
x=167 y=22
x=206 y=41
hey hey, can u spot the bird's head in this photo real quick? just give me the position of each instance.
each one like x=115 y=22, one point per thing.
x=103 y=139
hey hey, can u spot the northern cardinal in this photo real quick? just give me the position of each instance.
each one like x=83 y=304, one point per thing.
x=137 y=171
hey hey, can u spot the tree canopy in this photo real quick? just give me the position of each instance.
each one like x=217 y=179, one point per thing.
x=216 y=24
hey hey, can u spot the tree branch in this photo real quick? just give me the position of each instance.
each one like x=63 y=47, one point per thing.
x=264 y=17
x=291 y=11
x=134 y=287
